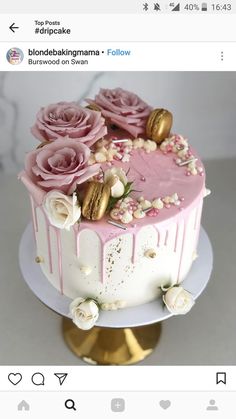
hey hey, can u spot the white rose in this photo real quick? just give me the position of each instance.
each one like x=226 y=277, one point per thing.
x=63 y=211
x=178 y=300
x=117 y=180
x=84 y=313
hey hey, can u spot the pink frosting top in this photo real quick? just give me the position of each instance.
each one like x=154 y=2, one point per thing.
x=162 y=177
x=154 y=175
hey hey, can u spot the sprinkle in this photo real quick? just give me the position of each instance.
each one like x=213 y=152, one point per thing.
x=139 y=213
x=150 y=254
x=180 y=147
x=120 y=141
x=117 y=224
x=147 y=209
x=153 y=213
x=183 y=163
x=143 y=179
x=86 y=270
x=39 y=259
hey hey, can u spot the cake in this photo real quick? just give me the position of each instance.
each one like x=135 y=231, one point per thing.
x=116 y=202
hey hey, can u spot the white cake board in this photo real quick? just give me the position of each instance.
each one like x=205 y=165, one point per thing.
x=142 y=315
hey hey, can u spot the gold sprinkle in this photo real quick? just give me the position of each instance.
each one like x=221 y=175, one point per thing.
x=150 y=253
x=39 y=259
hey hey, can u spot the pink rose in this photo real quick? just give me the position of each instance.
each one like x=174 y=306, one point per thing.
x=124 y=109
x=61 y=164
x=67 y=119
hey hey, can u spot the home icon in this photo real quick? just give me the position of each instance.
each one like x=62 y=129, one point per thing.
x=23 y=406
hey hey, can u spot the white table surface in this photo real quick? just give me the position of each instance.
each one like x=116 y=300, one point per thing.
x=31 y=333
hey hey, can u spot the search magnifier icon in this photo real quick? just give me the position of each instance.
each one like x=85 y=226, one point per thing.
x=70 y=404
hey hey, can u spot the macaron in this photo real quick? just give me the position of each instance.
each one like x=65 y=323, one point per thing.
x=159 y=125
x=93 y=107
x=43 y=144
x=95 y=200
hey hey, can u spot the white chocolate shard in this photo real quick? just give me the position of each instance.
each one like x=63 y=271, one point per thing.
x=126 y=217
x=139 y=213
x=149 y=146
x=145 y=204
x=100 y=157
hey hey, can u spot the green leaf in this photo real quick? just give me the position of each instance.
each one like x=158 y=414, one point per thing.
x=112 y=201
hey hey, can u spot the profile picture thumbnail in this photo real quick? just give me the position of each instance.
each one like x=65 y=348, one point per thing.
x=15 y=56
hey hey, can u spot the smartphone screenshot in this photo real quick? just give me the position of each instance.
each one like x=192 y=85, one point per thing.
x=117 y=209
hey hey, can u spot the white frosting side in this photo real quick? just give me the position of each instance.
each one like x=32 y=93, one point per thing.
x=132 y=283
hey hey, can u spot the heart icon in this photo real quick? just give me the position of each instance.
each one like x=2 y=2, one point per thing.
x=165 y=404
x=15 y=378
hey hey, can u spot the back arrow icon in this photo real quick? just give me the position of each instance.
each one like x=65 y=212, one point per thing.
x=13 y=27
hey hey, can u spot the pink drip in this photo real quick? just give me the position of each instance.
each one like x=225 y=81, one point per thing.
x=49 y=243
x=59 y=255
x=77 y=245
x=196 y=218
x=34 y=217
x=198 y=224
x=76 y=232
x=102 y=262
x=176 y=237
x=181 y=254
x=158 y=237
x=134 y=249
x=166 y=238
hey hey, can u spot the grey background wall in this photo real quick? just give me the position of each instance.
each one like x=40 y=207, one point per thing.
x=203 y=105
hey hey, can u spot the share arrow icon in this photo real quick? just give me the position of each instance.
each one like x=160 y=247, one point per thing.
x=61 y=377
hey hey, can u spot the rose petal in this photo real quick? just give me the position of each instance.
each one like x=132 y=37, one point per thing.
x=68 y=119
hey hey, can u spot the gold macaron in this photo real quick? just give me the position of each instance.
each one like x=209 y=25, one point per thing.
x=93 y=107
x=95 y=200
x=159 y=125
x=41 y=145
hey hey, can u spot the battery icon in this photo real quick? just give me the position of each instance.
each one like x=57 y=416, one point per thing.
x=204 y=7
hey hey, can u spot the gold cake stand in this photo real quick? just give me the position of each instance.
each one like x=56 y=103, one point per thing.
x=121 y=337
x=111 y=346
